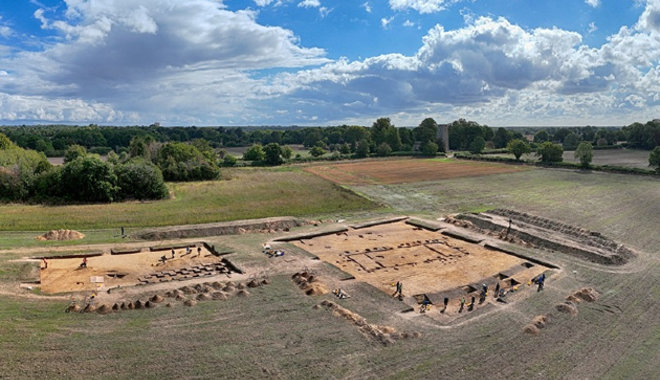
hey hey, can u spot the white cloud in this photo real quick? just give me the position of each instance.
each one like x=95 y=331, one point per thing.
x=37 y=108
x=263 y=3
x=408 y=23
x=366 y=6
x=592 y=27
x=309 y=4
x=593 y=3
x=421 y=6
x=385 y=22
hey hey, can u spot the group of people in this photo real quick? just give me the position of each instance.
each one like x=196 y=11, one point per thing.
x=499 y=295
x=164 y=258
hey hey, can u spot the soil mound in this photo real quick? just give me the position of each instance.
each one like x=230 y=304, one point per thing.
x=228 y=289
x=104 y=309
x=75 y=308
x=179 y=297
x=187 y=290
x=265 y=282
x=216 y=285
x=540 y=321
x=168 y=304
x=138 y=304
x=567 y=307
x=190 y=303
x=157 y=298
x=587 y=294
x=130 y=306
x=243 y=293
x=89 y=308
x=310 y=284
x=219 y=296
x=531 y=329
x=61 y=235
x=204 y=297
x=240 y=286
x=149 y=305
x=252 y=284
x=115 y=307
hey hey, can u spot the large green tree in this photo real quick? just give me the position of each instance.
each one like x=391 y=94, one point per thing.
x=382 y=131
x=273 y=154
x=89 y=179
x=140 y=179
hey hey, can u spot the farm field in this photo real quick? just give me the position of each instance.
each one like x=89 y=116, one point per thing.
x=250 y=193
x=280 y=332
x=634 y=158
x=406 y=170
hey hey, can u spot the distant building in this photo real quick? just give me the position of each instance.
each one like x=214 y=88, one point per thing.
x=443 y=134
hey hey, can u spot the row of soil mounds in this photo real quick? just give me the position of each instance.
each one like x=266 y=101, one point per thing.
x=544 y=233
x=383 y=334
x=276 y=224
x=187 y=295
x=569 y=306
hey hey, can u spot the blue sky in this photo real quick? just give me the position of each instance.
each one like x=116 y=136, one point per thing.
x=325 y=62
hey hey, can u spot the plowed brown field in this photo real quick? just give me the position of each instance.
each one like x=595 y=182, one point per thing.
x=406 y=171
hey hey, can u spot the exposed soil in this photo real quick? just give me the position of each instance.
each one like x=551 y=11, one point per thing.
x=61 y=235
x=529 y=230
x=405 y=171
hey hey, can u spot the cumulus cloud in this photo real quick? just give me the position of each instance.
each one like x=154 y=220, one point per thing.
x=37 y=108
x=421 y=6
x=125 y=52
x=366 y=6
x=385 y=22
x=408 y=23
x=309 y=4
x=593 y=3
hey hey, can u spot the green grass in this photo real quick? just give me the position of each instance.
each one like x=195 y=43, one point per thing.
x=250 y=193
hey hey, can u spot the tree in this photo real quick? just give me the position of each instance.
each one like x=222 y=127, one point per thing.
x=89 y=179
x=140 y=179
x=229 y=160
x=430 y=148
x=584 y=153
x=317 y=151
x=287 y=152
x=273 y=154
x=254 y=153
x=571 y=141
x=383 y=149
x=541 y=137
x=518 y=147
x=501 y=138
x=5 y=142
x=183 y=162
x=426 y=131
x=477 y=145
x=344 y=149
x=654 y=158
x=382 y=131
x=362 y=149
x=550 y=152
x=73 y=152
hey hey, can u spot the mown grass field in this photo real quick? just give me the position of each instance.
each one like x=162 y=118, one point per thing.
x=277 y=333
x=249 y=193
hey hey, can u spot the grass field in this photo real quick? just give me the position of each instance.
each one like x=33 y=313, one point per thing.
x=250 y=193
x=633 y=158
x=277 y=333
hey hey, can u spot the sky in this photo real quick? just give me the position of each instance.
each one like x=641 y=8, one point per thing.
x=329 y=62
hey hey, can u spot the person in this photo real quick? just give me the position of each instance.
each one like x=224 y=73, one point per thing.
x=172 y=252
x=445 y=302
x=399 y=290
x=122 y=232
x=425 y=306
x=508 y=229
x=163 y=259
x=187 y=250
x=340 y=294
x=84 y=263
x=460 y=310
x=199 y=251
x=471 y=306
x=45 y=263
x=497 y=290
x=540 y=281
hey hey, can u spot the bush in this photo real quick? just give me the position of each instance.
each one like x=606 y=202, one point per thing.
x=229 y=160
x=140 y=179
x=184 y=162
x=273 y=154
x=73 y=152
x=254 y=153
x=383 y=149
x=317 y=151
x=654 y=158
x=550 y=152
x=477 y=145
x=518 y=147
x=584 y=153
x=89 y=179
x=362 y=149
x=430 y=148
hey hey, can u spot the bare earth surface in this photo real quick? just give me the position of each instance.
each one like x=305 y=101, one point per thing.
x=406 y=171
